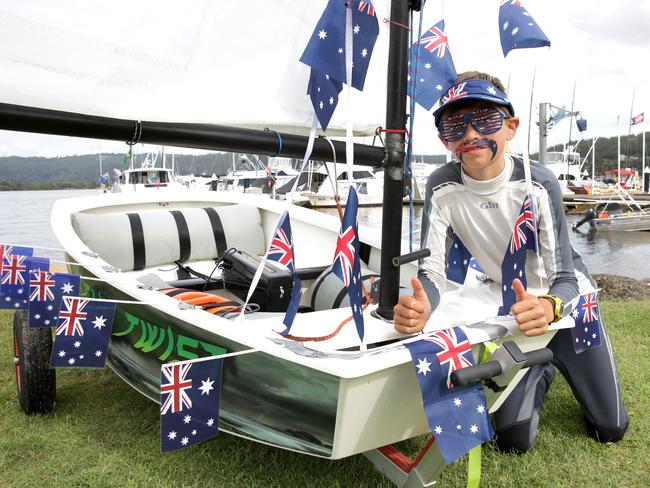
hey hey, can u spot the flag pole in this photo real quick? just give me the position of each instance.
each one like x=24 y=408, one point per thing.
x=629 y=132
x=618 y=150
x=530 y=106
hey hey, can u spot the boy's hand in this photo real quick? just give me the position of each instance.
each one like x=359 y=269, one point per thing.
x=533 y=314
x=412 y=312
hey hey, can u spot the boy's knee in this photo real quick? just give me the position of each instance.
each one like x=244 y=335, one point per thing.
x=518 y=438
x=605 y=433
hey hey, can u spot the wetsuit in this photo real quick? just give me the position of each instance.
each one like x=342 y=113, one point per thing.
x=482 y=214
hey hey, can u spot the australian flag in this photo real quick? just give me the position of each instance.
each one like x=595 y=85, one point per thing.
x=82 y=333
x=323 y=90
x=325 y=51
x=586 y=333
x=458 y=260
x=281 y=250
x=457 y=416
x=517 y=29
x=46 y=290
x=346 y=258
x=189 y=402
x=435 y=71
x=14 y=284
x=6 y=253
x=523 y=238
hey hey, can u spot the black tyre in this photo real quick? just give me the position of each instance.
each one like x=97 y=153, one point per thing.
x=35 y=381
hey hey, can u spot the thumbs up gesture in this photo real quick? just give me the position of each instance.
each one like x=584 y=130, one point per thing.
x=533 y=314
x=412 y=312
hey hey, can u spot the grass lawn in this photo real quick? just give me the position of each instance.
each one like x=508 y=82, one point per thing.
x=103 y=434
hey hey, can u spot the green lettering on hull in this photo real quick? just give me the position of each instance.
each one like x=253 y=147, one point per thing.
x=152 y=338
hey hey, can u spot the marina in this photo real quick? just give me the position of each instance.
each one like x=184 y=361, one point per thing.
x=612 y=253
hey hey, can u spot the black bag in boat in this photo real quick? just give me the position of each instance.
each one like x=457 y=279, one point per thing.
x=273 y=291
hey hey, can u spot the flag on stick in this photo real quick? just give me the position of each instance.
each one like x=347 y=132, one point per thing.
x=435 y=71
x=346 y=258
x=281 y=251
x=523 y=238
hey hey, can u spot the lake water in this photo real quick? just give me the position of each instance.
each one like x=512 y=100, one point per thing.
x=25 y=219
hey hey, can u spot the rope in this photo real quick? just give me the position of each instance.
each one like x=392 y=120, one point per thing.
x=328 y=336
x=387 y=21
x=340 y=326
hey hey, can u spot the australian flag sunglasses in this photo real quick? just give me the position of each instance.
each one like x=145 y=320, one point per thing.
x=485 y=121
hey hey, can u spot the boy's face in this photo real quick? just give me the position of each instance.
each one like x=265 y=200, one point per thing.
x=481 y=145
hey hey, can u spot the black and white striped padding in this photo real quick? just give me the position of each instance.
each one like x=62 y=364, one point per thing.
x=147 y=238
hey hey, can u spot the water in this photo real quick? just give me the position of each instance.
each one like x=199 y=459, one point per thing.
x=25 y=219
x=619 y=253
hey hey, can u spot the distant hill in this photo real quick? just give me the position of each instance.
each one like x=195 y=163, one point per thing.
x=82 y=171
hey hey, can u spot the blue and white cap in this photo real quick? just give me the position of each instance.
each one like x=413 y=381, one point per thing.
x=474 y=89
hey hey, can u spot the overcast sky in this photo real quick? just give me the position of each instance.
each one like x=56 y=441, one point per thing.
x=601 y=46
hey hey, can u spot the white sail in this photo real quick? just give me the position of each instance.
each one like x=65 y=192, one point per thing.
x=233 y=63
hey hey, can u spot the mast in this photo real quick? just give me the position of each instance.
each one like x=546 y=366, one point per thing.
x=618 y=150
x=394 y=162
x=629 y=132
x=568 y=156
x=543 y=132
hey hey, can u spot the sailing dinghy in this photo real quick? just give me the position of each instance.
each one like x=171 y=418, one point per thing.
x=185 y=259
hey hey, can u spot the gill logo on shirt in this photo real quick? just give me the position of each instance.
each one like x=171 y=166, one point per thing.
x=486 y=205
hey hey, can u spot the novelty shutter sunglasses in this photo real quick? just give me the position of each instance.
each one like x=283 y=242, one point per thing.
x=485 y=121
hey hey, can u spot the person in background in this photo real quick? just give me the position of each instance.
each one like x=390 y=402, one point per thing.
x=474 y=202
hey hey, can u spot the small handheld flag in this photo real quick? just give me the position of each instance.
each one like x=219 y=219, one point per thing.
x=281 y=250
x=189 y=402
x=518 y=29
x=346 y=258
x=435 y=67
x=82 y=333
x=523 y=238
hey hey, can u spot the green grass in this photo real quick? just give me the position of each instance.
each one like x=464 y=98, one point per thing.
x=103 y=434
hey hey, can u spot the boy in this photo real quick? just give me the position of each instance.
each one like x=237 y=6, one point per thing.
x=475 y=202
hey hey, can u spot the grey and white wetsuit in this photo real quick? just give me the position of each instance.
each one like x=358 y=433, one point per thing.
x=482 y=215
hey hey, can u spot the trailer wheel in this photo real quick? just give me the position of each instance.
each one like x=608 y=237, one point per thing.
x=35 y=381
